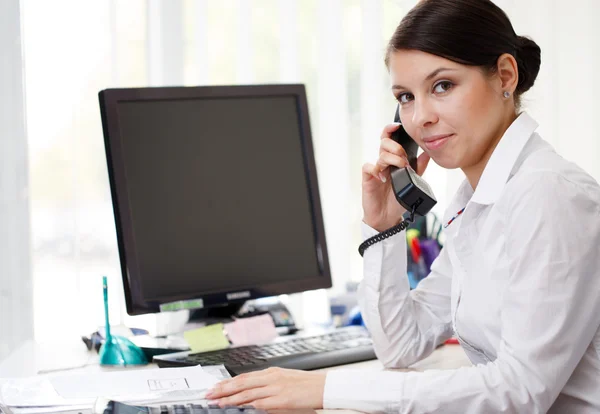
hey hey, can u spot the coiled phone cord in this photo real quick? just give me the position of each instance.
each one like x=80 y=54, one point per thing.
x=403 y=225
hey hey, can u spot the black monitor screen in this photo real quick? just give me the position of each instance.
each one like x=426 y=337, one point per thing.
x=215 y=195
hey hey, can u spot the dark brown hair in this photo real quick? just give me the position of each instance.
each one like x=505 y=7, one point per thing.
x=470 y=32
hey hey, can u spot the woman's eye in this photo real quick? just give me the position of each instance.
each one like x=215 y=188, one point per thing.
x=443 y=86
x=405 y=97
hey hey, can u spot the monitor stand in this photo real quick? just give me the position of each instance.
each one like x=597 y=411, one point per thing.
x=218 y=314
x=175 y=343
x=282 y=317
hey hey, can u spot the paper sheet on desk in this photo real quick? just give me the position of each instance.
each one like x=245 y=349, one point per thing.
x=36 y=395
x=136 y=382
x=71 y=391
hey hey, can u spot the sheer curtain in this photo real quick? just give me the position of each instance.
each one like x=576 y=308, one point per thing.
x=74 y=49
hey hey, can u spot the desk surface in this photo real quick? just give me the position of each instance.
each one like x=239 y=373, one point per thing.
x=33 y=359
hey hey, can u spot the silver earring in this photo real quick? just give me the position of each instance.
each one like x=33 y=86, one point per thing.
x=506 y=94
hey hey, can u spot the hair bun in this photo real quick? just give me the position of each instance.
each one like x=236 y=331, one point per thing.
x=529 y=60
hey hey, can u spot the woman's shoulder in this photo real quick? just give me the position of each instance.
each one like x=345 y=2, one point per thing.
x=541 y=172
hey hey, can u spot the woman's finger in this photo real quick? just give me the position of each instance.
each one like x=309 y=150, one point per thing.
x=388 y=129
x=240 y=383
x=387 y=159
x=389 y=145
x=246 y=396
x=370 y=171
x=269 y=403
x=275 y=403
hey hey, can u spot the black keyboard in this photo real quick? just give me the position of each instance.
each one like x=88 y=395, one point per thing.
x=339 y=347
x=113 y=407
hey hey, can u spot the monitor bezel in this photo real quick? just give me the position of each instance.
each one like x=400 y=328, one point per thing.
x=109 y=100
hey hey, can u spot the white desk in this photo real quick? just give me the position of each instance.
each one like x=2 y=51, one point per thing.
x=32 y=359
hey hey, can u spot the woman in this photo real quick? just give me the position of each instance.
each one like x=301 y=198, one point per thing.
x=518 y=280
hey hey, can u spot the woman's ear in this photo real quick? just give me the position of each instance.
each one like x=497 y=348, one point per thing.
x=508 y=72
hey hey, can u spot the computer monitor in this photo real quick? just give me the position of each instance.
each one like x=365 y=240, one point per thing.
x=215 y=194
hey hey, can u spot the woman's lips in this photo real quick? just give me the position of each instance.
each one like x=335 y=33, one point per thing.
x=436 y=142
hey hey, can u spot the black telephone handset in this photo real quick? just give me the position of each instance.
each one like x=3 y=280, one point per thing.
x=402 y=138
x=411 y=191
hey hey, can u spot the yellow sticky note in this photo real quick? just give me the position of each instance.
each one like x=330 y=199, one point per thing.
x=207 y=338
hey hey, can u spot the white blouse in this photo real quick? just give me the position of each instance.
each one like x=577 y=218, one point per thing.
x=518 y=283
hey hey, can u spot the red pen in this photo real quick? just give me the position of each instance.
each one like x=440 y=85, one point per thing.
x=451 y=341
x=415 y=249
x=420 y=268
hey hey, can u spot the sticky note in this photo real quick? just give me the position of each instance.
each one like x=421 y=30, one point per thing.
x=251 y=331
x=207 y=338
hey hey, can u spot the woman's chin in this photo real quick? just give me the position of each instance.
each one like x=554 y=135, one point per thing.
x=446 y=162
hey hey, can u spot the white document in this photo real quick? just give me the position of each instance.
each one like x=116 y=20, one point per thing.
x=74 y=390
x=132 y=383
x=34 y=392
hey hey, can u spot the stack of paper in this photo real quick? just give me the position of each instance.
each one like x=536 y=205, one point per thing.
x=78 y=392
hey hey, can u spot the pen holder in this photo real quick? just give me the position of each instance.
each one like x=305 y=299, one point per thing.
x=419 y=263
x=430 y=249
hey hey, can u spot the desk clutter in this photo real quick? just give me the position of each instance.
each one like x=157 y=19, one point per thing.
x=251 y=330
x=423 y=247
x=79 y=392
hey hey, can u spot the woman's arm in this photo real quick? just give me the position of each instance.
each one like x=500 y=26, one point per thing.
x=550 y=314
x=405 y=325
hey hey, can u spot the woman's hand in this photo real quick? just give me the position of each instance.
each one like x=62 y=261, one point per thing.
x=271 y=388
x=380 y=207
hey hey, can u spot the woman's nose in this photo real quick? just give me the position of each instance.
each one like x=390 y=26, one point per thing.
x=424 y=113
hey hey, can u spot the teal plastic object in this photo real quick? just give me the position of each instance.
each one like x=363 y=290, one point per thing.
x=118 y=350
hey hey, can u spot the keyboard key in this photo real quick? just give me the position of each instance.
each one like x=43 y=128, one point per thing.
x=198 y=409
x=179 y=409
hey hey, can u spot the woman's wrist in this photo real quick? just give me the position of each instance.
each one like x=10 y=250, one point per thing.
x=380 y=226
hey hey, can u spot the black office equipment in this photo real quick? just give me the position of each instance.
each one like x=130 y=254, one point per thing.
x=216 y=202
x=342 y=346
x=114 y=407
x=410 y=190
x=215 y=195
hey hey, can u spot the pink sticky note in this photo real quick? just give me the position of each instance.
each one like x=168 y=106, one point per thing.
x=251 y=331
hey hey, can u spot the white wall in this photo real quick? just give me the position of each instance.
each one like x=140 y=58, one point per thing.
x=565 y=99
